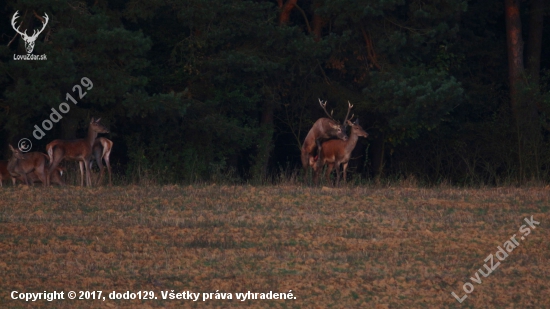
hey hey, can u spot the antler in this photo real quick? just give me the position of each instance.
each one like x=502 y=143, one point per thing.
x=15 y=16
x=44 y=23
x=35 y=33
x=324 y=106
x=346 y=119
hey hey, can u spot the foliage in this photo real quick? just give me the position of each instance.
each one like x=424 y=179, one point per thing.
x=411 y=101
x=193 y=89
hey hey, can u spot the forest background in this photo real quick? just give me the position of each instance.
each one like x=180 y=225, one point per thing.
x=448 y=90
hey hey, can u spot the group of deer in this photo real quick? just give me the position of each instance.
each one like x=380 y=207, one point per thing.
x=36 y=166
x=327 y=144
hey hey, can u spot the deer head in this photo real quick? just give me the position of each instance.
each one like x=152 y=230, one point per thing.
x=17 y=153
x=98 y=127
x=357 y=129
x=335 y=130
x=29 y=40
x=339 y=129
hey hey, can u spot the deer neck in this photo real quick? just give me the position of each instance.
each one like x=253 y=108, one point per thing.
x=325 y=128
x=90 y=139
x=317 y=131
x=12 y=163
x=351 y=142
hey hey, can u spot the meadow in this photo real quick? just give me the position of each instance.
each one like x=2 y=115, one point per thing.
x=356 y=247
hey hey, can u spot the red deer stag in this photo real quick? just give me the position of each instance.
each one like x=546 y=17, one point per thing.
x=76 y=150
x=21 y=165
x=101 y=151
x=337 y=152
x=323 y=129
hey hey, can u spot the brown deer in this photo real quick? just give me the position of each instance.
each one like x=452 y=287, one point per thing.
x=323 y=129
x=33 y=177
x=101 y=151
x=57 y=176
x=337 y=152
x=76 y=150
x=21 y=165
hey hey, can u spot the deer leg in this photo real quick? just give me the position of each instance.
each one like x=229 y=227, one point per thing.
x=40 y=172
x=61 y=181
x=57 y=157
x=305 y=162
x=345 y=168
x=316 y=171
x=337 y=175
x=42 y=176
x=108 y=168
x=26 y=178
x=106 y=157
x=81 y=165
x=330 y=166
x=306 y=170
x=13 y=181
x=88 y=173
x=319 y=155
x=312 y=164
x=101 y=170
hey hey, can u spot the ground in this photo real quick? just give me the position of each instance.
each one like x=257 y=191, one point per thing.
x=361 y=247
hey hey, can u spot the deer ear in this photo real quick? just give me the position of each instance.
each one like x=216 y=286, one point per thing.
x=97 y=120
x=334 y=126
x=11 y=148
x=357 y=121
x=350 y=123
x=92 y=121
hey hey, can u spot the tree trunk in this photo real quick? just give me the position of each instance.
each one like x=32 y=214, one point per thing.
x=318 y=23
x=515 y=50
x=285 y=11
x=522 y=98
x=514 y=44
x=534 y=44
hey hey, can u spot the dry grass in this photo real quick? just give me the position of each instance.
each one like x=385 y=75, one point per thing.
x=334 y=248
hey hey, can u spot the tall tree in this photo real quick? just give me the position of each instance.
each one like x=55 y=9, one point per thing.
x=523 y=95
x=534 y=43
x=514 y=41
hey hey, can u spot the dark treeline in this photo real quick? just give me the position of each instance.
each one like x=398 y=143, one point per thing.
x=196 y=90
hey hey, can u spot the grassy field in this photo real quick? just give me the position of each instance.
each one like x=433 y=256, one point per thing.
x=334 y=248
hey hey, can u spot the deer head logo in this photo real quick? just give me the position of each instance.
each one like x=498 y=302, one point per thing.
x=29 y=40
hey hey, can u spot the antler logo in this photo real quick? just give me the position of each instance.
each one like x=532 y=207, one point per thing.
x=29 y=40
